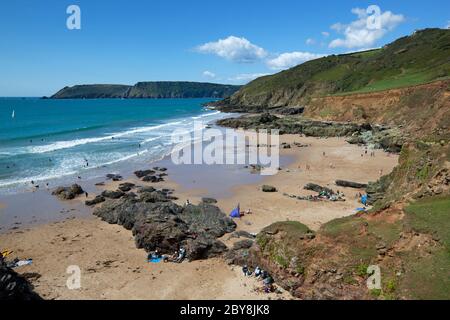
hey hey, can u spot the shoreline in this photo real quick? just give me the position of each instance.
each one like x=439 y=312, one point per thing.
x=93 y=244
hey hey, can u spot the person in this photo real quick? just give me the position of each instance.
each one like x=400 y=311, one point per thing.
x=188 y=202
x=181 y=255
x=323 y=153
x=257 y=271
x=87 y=194
x=245 y=270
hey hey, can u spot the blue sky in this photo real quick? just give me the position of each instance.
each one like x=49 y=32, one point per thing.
x=216 y=41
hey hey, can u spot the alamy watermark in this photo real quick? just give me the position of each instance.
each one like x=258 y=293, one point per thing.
x=73 y=22
x=213 y=146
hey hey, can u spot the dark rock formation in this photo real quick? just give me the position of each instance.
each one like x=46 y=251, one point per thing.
x=13 y=286
x=114 y=177
x=126 y=186
x=350 y=184
x=266 y=188
x=318 y=189
x=68 y=193
x=98 y=199
x=159 y=223
x=113 y=194
x=143 y=173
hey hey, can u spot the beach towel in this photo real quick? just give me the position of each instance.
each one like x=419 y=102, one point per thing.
x=155 y=260
x=236 y=213
x=21 y=263
x=360 y=209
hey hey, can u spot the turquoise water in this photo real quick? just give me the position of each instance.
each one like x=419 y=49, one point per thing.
x=48 y=139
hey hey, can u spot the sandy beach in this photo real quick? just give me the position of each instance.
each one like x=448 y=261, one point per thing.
x=112 y=267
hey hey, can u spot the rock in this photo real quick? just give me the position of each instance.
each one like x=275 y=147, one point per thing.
x=113 y=194
x=15 y=287
x=317 y=188
x=114 y=177
x=203 y=248
x=146 y=189
x=143 y=173
x=98 y=199
x=267 y=188
x=68 y=193
x=243 y=244
x=159 y=223
x=125 y=187
x=350 y=184
x=209 y=200
x=152 y=179
x=243 y=234
x=155 y=196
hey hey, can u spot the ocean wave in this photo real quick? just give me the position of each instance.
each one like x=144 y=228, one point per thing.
x=74 y=143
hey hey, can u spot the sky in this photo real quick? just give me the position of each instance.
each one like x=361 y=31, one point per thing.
x=123 y=42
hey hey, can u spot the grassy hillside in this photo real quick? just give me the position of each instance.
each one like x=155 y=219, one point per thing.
x=416 y=59
x=92 y=91
x=163 y=89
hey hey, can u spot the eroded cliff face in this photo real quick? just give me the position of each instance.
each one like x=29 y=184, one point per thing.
x=421 y=110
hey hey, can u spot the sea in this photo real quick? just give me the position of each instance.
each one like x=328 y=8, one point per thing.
x=44 y=139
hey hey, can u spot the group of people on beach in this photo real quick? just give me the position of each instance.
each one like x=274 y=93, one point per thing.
x=177 y=257
x=262 y=275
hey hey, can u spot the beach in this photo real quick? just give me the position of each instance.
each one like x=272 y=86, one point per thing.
x=112 y=267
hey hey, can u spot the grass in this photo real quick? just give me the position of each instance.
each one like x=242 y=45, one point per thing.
x=428 y=277
x=417 y=59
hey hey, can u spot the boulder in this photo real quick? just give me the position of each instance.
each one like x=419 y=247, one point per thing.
x=98 y=199
x=68 y=193
x=15 y=287
x=243 y=244
x=159 y=223
x=267 y=188
x=152 y=179
x=114 y=177
x=209 y=200
x=350 y=184
x=113 y=194
x=204 y=248
x=143 y=173
x=317 y=188
x=125 y=187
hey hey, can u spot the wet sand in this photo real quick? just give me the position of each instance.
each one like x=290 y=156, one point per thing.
x=112 y=268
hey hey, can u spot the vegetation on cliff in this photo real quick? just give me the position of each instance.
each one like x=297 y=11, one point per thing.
x=416 y=59
x=157 y=89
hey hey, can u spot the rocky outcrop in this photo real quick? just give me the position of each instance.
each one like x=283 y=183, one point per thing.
x=68 y=193
x=13 y=286
x=350 y=184
x=158 y=223
x=295 y=125
x=317 y=188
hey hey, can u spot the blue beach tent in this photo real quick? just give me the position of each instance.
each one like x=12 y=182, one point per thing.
x=236 y=213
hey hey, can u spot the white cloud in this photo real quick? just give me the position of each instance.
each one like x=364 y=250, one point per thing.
x=246 y=77
x=310 y=41
x=448 y=25
x=209 y=74
x=325 y=34
x=235 y=49
x=372 y=24
x=289 y=59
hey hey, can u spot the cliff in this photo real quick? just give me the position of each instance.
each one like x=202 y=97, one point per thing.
x=160 y=89
x=417 y=59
